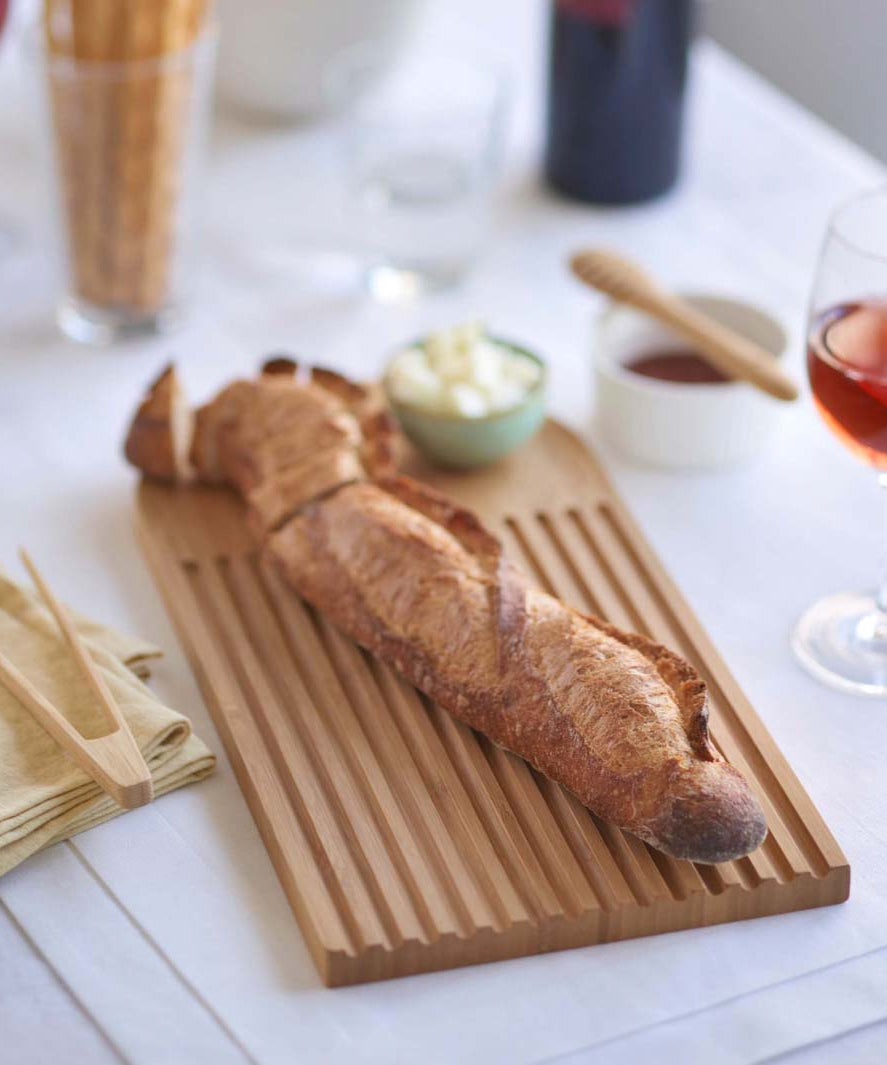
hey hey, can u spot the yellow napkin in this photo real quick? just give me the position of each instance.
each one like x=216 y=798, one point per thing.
x=44 y=796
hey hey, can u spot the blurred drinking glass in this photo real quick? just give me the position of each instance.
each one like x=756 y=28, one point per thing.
x=843 y=639
x=424 y=137
x=127 y=89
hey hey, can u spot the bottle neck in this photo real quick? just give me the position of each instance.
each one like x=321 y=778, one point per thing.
x=600 y=12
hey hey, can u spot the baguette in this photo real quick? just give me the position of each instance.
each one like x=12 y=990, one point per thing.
x=619 y=720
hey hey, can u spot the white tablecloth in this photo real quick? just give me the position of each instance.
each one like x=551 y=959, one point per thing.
x=165 y=937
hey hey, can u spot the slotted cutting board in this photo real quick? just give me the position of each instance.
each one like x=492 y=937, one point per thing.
x=406 y=842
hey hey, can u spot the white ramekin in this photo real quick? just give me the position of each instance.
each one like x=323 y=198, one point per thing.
x=663 y=423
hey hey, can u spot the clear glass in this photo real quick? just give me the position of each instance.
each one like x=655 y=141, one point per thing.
x=423 y=144
x=125 y=146
x=842 y=639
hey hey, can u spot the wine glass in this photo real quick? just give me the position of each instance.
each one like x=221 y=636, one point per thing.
x=842 y=639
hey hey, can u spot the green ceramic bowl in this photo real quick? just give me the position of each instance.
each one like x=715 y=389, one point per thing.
x=460 y=442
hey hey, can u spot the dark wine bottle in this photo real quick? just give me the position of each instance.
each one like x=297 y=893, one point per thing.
x=615 y=97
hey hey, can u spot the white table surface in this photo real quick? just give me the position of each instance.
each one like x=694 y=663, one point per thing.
x=164 y=936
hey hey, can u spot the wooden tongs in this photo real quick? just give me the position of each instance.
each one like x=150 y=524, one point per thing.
x=114 y=760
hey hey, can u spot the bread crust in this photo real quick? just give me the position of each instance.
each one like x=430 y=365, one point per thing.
x=380 y=450
x=283 y=365
x=355 y=397
x=254 y=431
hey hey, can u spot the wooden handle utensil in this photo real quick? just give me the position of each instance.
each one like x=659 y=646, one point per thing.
x=114 y=760
x=732 y=354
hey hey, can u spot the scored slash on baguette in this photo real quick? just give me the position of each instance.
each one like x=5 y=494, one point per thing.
x=620 y=721
x=276 y=499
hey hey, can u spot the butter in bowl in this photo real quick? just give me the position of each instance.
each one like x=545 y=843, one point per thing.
x=465 y=398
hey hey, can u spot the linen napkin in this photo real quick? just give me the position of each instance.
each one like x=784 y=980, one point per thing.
x=44 y=796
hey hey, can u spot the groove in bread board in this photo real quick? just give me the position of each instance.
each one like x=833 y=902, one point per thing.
x=405 y=841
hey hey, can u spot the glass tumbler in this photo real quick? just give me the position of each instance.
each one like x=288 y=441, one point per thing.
x=125 y=112
x=423 y=143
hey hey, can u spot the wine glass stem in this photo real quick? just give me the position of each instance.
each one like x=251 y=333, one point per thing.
x=881 y=594
x=871 y=629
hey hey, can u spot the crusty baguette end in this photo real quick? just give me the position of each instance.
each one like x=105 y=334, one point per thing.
x=159 y=437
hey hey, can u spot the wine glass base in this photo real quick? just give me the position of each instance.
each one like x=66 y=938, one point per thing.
x=842 y=641
x=88 y=324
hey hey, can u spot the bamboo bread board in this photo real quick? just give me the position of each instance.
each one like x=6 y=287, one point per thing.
x=405 y=841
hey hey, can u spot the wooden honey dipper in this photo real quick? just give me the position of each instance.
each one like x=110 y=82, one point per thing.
x=734 y=355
